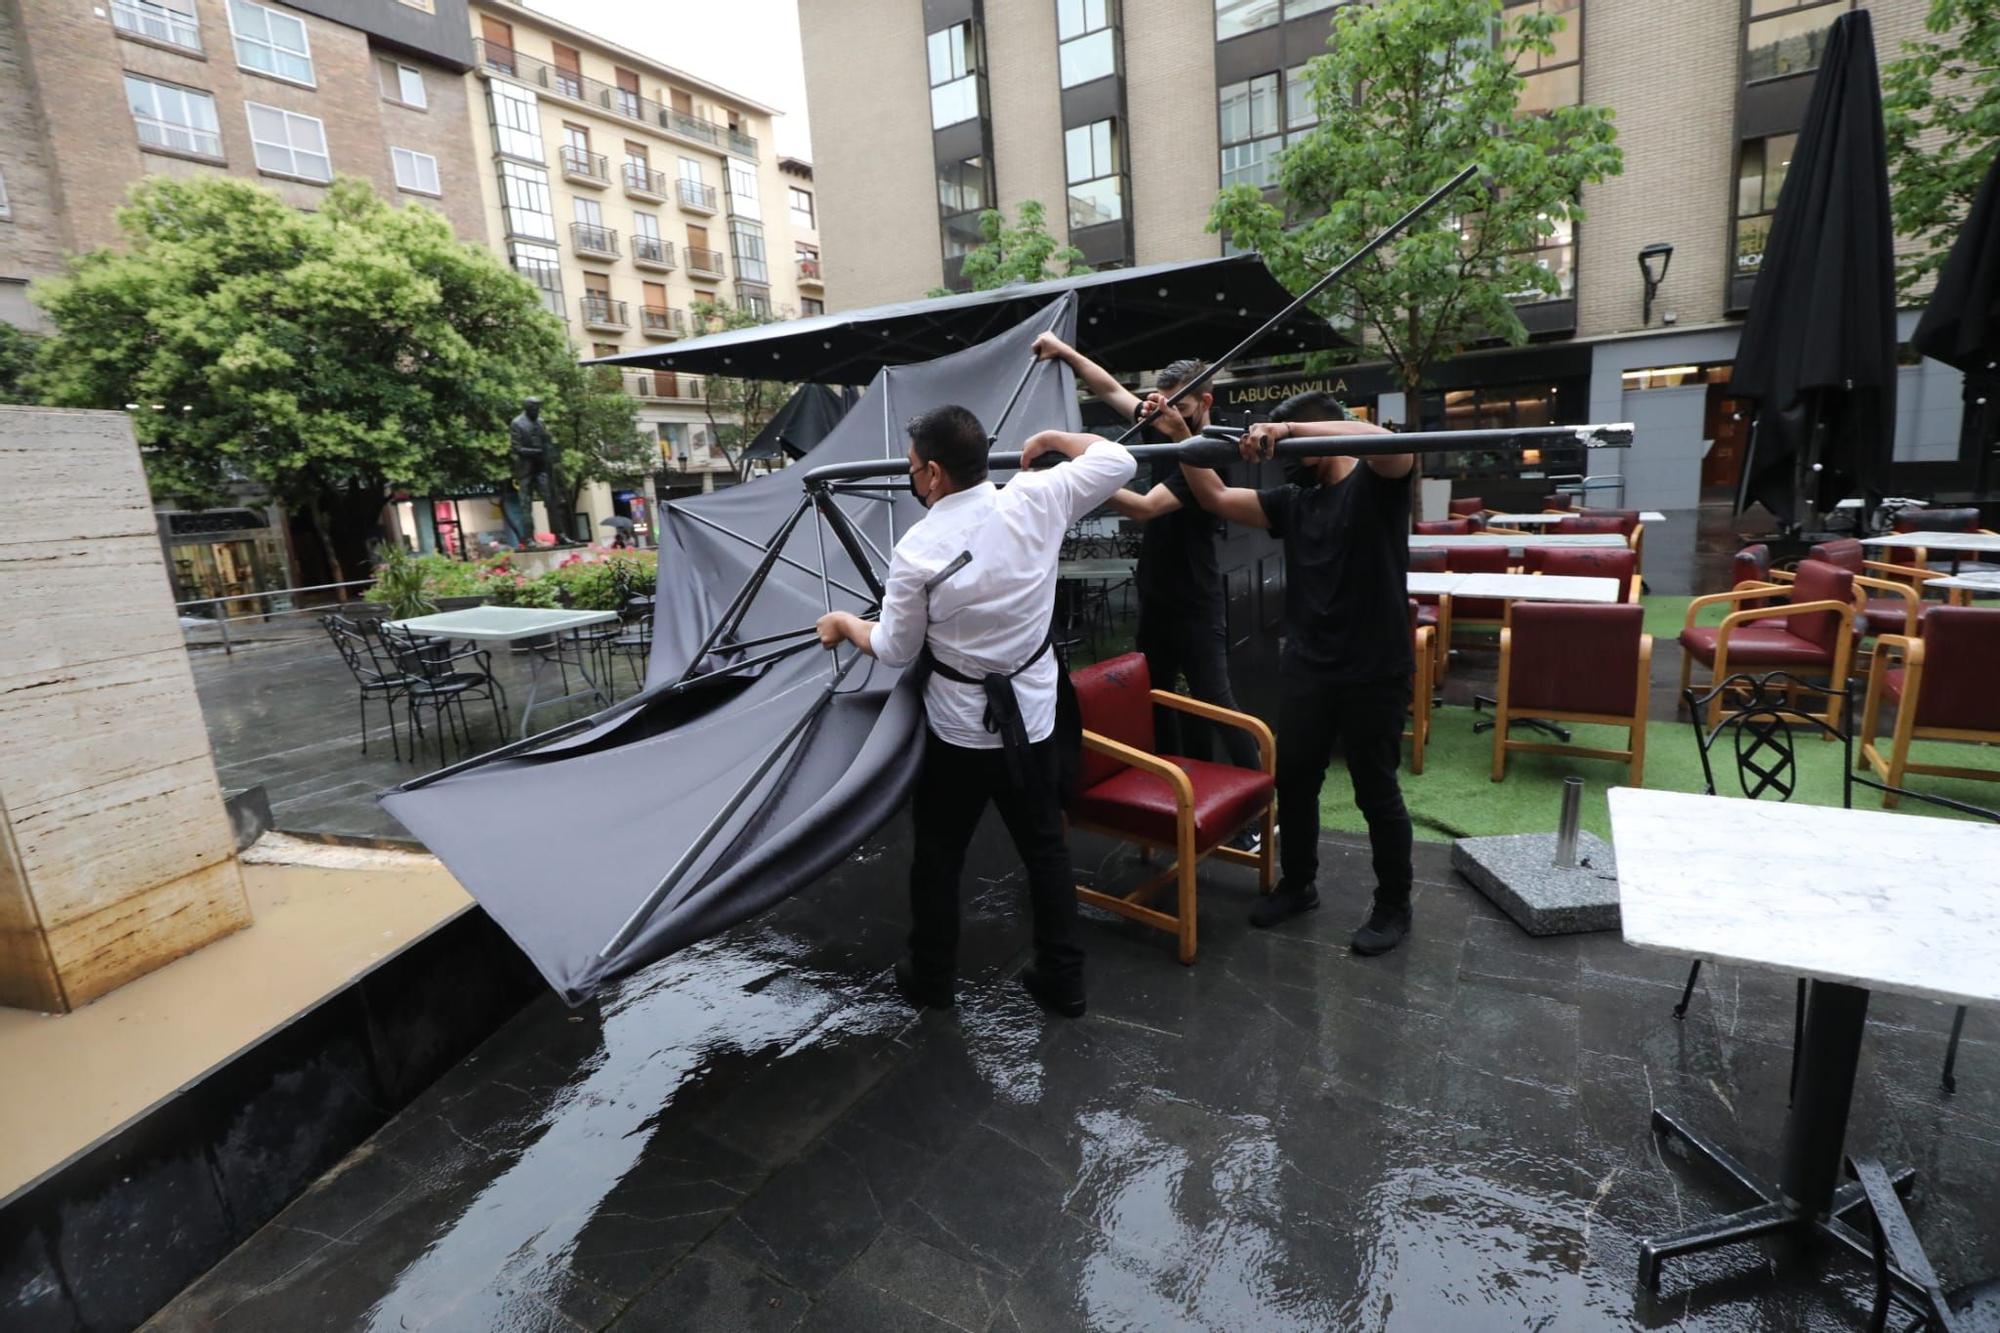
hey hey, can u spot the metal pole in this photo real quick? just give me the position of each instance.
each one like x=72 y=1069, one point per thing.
x=993 y=436
x=752 y=541
x=844 y=531
x=1572 y=808
x=726 y=622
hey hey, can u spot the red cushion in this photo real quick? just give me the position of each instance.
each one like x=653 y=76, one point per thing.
x=1467 y=507
x=1752 y=564
x=1427 y=613
x=1885 y=615
x=1628 y=519
x=1818 y=581
x=1575 y=657
x=1961 y=644
x=1585 y=562
x=1937 y=520
x=1843 y=552
x=1444 y=527
x=1428 y=560
x=1759 y=643
x=1138 y=803
x=1115 y=697
x=1893 y=681
x=1595 y=523
x=1559 y=500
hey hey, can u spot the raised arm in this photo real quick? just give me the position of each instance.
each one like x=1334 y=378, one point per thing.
x=1265 y=434
x=1102 y=386
x=1237 y=504
x=1156 y=503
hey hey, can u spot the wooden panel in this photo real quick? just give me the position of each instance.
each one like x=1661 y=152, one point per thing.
x=65 y=602
x=130 y=938
x=70 y=475
x=68 y=729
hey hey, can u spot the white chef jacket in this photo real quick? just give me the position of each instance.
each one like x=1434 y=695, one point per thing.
x=993 y=614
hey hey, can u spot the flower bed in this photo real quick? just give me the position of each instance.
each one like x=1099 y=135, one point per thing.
x=586 y=581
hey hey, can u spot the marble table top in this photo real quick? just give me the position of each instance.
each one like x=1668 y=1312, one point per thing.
x=502 y=624
x=1517 y=541
x=1422 y=584
x=1538 y=587
x=1939 y=541
x=1967 y=582
x=1875 y=898
x=1549 y=518
x=1108 y=567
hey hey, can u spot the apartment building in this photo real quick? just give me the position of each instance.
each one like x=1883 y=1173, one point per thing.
x=1125 y=117
x=626 y=190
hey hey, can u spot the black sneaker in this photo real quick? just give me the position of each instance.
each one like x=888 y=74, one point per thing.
x=922 y=994
x=1066 y=1001
x=1384 y=929
x=1282 y=904
x=1249 y=840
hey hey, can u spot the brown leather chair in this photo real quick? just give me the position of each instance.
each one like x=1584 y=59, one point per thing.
x=1894 y=606
x=1750 y=565
x=1444 y=527
x=1558 y=502
x=1917 y=558
x=1423 y=644
x=1810 y=629
x=1433 y=610
x=1189 y=807
x=1575 y=662
x=1469 y=507
x=1942 y=688
x=1624 y=522
x=1487 y=558
x=1585 y=562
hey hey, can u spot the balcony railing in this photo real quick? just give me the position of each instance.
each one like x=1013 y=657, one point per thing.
x=704 y=263
x=603 y=312
x=809 y=272
x=696 y=195
x=662 y=384
x=156 y=22
x=578 y=164
x=619 y=101
x=586 y=239
x=652 y=252
x=658 y=321
x=645 y=182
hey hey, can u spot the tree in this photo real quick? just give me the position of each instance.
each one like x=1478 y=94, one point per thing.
x=596 y=428
x=737 y=408
x=328 y=355
x=1409 y=92
x=1941 y=123
x=1024 y=252
x=18 y=349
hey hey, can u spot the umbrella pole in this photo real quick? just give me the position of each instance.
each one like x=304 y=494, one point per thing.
x=844 y=531
x=993 y=437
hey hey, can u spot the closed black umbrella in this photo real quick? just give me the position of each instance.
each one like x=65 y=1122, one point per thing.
x=1818 y=352
x=1962 y=326
x=807 y=417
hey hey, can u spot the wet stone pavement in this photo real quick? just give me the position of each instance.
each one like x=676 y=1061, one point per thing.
x=757 y=1134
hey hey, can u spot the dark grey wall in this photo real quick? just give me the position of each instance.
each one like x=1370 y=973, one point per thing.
x=445 y=37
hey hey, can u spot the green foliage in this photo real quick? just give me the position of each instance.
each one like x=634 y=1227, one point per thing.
x=327 y=355
x=595 y=424
x=1941 y=121
x=585 y=582
x=1024 y=252
x=737 y=409
x=1409 y=92
x=603 y=585
x=400 y=582
x=18 y=348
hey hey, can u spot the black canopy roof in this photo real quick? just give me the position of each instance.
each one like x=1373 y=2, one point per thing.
x=805 y=419
x=1128 y=319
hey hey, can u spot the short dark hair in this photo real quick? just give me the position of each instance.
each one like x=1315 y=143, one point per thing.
x=1312 y=405
x=951 y=437
x=1177 y=373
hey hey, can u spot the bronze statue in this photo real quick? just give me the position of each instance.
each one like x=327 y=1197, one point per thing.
x=534 y=475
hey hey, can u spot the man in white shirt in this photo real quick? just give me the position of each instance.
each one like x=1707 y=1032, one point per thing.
x=975 y=583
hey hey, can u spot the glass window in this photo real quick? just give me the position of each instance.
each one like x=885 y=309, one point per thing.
x=176 y=118
x=587 y=211
x=961 y=234
x=416 y=171
x=1087 y=58
x=1790 y=41
x=288 y=143
x=1233 y=18
x=270 y=42
x=757 y=305
x=517 y=126
x=1556 y=79
x=1253 y=163
x=1556 y=255
x=401 y=83
x=1096 y=192
x=962 y=186
x=691 y=170
x=1087 y=150
x=1074 y=18
x=170 y=21
x=1299 y=110
x=646 y=226
x=743 y=188
x=802 y=208
x=1249 y=109
x=1760 y=177
x=954 y=75
x=746 y=245
x=542 y=267
x=809 y=305
x=576 y=138
x=525 y=203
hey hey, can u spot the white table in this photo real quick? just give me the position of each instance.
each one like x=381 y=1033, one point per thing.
x=1516 y=542
x=1965 y=542
x=1539 y=587
x=1971 y=583
x=1550 y=519
x=1422 y=584
x=1103 y=568
x=510 y=625
x=1856 y=900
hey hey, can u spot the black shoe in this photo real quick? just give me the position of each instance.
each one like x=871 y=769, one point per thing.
x=921 y=994
x=1384 y=929
x=1066 y=1001
x=1249 y=840
x=1283 y=904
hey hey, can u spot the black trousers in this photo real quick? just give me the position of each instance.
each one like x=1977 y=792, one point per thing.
x=1178 y=642
x=1365 y=722
x=952 y=793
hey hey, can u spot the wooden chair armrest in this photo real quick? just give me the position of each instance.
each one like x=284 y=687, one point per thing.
x=1906 y=571
x=1267 y=744
x=1149 y=763
x=1735 y=594
x=1900 y=645
x=1902 y=590
x=1845 y=610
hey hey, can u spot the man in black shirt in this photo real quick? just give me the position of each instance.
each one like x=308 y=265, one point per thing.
x=1181 y=626
x=1345 y=669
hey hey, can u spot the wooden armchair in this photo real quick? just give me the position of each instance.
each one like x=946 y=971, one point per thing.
x=1811 y=629
x=1189 y=807
x=1575 y=662
x=1423 y=636
x=1942 y=690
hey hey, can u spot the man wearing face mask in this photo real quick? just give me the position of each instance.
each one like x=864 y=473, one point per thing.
x=1345 y=670
x=1181 y=624
x=974 y=582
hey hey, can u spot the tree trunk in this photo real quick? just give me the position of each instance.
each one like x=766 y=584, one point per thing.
x=323 y=529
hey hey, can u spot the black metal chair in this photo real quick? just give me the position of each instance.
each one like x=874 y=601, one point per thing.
x=1972 y=1308
x=634 y=640
x=1766 y=760
x=434 y=680
x=377 y=678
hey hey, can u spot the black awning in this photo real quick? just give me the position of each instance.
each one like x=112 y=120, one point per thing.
x=1128 y=319
x=802 y=422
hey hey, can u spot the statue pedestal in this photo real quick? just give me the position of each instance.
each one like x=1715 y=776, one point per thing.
x=116 y=853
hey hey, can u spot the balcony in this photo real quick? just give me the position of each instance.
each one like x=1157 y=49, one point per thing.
x=584 y=168
x=572 y=86
x=662 y=386
x=593 y=242
x=601 y=312
x=652 y=252
x=809 y=274
x=641 y=182
x=156 y=23
x=658 y=321
x=704 y=263
x=696 y=197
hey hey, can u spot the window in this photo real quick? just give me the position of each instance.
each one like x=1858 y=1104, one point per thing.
x=811 y=306
x=1233 y=18
x=568 y=70
x=1760 y=176
x=428 y=6
x=169 y=21
x=1250 y=137
x=401 y=83
x=1090 y=153
x=524 y=201
x=1299 y=110
x=646 y=225
x=1086 y=48
x=962 y=186
x=961 y=234
x=1786 y=37
x=625 y=97
x=807 y=257
x=746 y=245
x=742 y=178
x=287 y=143
x=756 y=304
x=802 y=208
x=1556 y=79
x=1556 y=254
x=6 y=209
x=587 y=211
x=496 y=40
x=954 y=67
x=576 y=138
x=416 y=171
x=517 y=127
x=179 y=119
x=270 y=42
x=691 y=170
x=542 y=267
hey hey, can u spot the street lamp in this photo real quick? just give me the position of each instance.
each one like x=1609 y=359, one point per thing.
x=1653 y=261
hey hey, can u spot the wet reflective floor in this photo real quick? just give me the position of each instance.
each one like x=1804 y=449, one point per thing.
x=757 y=1134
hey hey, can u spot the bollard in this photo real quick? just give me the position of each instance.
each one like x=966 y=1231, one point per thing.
x=1566 y=826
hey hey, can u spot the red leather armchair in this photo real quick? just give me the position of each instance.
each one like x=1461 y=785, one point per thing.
x=1185 y=806
x=1558 y=502
x=1444 y=527
x=1467 y=507
x=1942 y=688
x=1487 y=558
x=1811 y=629
x=1894 y=606
x=1751 y=565
x=1575 y=662
x=1586 y=562
x=1433 y=610
x=1624 y=522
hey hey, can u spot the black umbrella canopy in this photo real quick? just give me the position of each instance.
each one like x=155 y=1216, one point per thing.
x=1818 y=351
x=1127 y=319
x=1962 y=326
x=806 y=418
